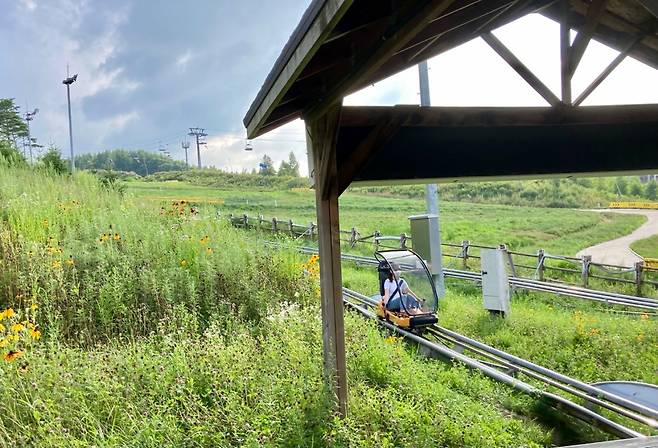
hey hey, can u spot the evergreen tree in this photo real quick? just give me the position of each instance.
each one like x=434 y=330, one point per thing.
x=12 y=125
x=53 y=161
x=289 y=168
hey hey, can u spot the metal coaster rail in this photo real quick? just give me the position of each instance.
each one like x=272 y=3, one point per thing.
x=642 y=303
x=514 y=365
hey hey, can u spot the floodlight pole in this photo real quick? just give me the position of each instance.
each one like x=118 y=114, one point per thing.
x=432 y=190
x=68 y=81
x=29 y=116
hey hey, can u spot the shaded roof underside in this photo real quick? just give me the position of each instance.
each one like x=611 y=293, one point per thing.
x=336 y=39
x=448 y=144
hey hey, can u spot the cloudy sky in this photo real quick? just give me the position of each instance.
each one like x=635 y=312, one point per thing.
x=150 y=70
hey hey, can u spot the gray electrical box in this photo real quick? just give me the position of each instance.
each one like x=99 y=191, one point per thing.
x=426 y=238
x=495 y=281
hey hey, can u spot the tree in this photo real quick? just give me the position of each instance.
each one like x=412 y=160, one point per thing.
x=9 y=154
x=12 y=125
x=267 y=166
x=621 y=186
x=289 y=168
x=53 y=161
x=140 y=162
x=651 y=191
x=635 y=188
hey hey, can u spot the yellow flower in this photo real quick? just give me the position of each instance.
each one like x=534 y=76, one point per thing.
x=204 y=240
x=644 y=316
x=12 y=355
x=116 y=237
x=70 y=261
x=9 y=312
x=16 y=328
x=2 y=328
x=208 y=250
x=34 y=306
x=104 y=237
x=35 y=334
x=183 y=263
x=57 y=264
x=45 y=223
x=4 y=342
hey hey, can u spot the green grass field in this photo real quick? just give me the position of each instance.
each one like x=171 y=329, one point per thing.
x=559 y=231
x=647 y=248
x=161 y=327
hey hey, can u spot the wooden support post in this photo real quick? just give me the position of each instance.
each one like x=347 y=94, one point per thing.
x=322 y=132
x=565 y=45
x=353 y=237
x=403 y=241
x=465 y=245
x=586 y=260
x=540 y=264
x=274 y=227
x=291 y=227
x=512 y=267
x=245 y=221
x=638 y=277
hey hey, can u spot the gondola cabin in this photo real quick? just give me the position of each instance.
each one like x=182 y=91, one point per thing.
x=407 y=295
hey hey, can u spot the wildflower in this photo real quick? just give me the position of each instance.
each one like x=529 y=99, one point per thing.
x=209 y=250
x=104 y=237
x=34 y=306
x=12 y=355
x=57 y=264
x=69 y=262
x=35 y=334
x=2 y=328
x=204 y=240
x=4 y=342
x=183 y=263
x=644 y=316
x=30 y=253
x=17 y=328
x=116 y=237
x=45 y=223
x=9 y=313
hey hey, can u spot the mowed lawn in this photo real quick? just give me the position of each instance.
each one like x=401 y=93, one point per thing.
x=559 y=231
x=647 y=248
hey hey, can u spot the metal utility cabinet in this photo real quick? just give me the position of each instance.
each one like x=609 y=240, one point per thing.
x=495 y=281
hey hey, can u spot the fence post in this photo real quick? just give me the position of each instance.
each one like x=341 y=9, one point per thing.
x=311 y=228
x=376 y=235
x=638 y=277
x=353 y=237
x=540 y=264
x=245 y=220
x=274 y=227
x=260 y=222
x=403 y=241
x=465 y=245
x=230 y=219
x=509 y=258
x=586 y=260
x=292 y=229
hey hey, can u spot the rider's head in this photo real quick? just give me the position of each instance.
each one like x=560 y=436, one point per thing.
x=394 y=271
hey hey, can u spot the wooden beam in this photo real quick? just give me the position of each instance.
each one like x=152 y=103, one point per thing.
x=594 y=13
x=320 y=29
x=565 y=74
x=606 y=72
x=393 y=40
x=651 y=6
x=322 y=132
x=520 y=68
x=376 y=139
x=436 y=117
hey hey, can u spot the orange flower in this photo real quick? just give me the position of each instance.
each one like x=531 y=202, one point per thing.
x=12 y=355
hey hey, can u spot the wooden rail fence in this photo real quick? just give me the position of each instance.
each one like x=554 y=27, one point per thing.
x=572 y=270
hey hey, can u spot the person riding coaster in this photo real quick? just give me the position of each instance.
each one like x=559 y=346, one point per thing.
x=398 y=304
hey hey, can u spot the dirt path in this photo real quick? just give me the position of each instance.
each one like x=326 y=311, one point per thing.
x=618 y=251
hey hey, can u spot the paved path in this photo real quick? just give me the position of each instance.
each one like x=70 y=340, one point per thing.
x=618 y=251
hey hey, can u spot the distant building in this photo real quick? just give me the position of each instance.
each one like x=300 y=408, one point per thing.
x=648 y=177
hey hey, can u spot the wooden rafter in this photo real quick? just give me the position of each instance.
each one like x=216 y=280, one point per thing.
x=399 y=35
x=606 y=72
x=594 y=13
x=520 y=68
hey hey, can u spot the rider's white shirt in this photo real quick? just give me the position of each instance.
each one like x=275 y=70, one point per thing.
x=391 y=287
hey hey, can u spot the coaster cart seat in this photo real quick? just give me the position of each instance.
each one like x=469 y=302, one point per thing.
x=422 y=292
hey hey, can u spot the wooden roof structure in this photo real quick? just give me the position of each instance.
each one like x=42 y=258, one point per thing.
x=341 y=46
